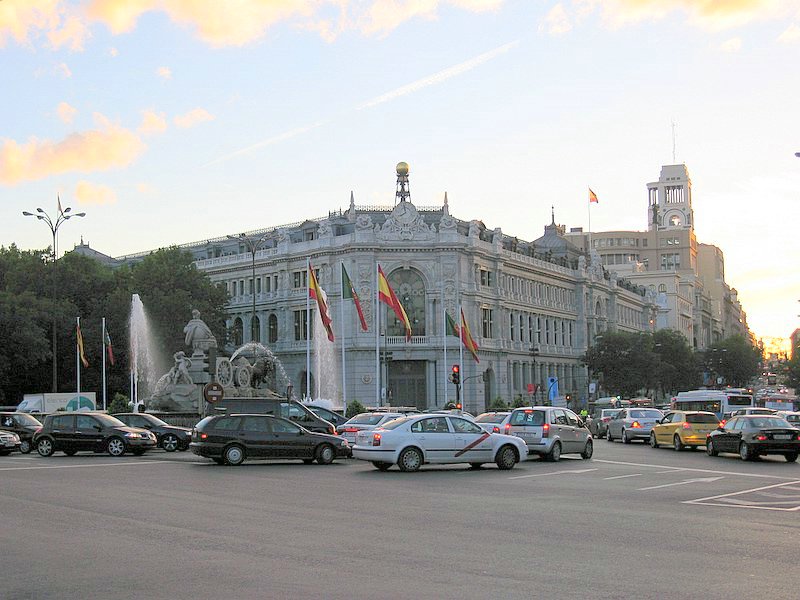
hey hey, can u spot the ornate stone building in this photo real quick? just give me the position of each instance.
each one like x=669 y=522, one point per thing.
x=532 y=307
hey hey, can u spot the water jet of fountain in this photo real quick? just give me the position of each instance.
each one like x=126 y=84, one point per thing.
x=144 y=356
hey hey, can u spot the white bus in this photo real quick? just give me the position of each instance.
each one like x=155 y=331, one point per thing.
x=720 y=402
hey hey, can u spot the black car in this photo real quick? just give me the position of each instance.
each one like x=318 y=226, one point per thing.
x=97 y=432
x=169 y=437
x=325 y=413
x=752 y=436
x=23 y=424
x=9 y=442
x=230 y=439
x=277 y=407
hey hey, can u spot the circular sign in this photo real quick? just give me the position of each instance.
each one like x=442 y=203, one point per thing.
x=213 y=392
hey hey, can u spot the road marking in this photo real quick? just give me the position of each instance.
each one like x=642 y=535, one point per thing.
x=622 y=476
x=630 y=464
x=669 y=471
x=735 y=503
x=576 y=471
x=684 y=482
x=118 y=464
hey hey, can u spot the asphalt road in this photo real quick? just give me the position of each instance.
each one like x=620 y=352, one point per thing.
x=633 y=522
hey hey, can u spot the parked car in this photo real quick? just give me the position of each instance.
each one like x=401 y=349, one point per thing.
x=364 y=422
x=8 y=442
x=277 y=407
x=324 y=413
x=683 y=429
x=98 y=432
x=24 y=425
x=793 y=418
x=633 y=424
x=752 y=436
x=231 y=439
x=415 y=440
x=169 y=437
x=551 y=431
x=495 y=421
x=598 y=423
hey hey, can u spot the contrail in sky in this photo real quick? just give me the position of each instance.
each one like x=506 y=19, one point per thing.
x=439 y=77
x=401 y=91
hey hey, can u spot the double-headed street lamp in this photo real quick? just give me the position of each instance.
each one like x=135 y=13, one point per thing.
x=63 y=215
x=254 y=245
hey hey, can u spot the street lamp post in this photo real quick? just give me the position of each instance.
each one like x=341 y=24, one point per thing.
x=534 y=353
x=254 y=245
x=63 y=215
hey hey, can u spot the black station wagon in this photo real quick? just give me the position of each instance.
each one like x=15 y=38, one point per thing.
x=96 y=432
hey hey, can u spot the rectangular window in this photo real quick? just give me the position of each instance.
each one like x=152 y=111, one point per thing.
x=300 y=325
x=258 y=285
x=512 y=326
x=539 y=330
x=300 y=279
x=486 y=278
x=241 y=287
x=249 y=286
x=547 y=331
x=274 y=283
x=487 y=318
x=267 y=282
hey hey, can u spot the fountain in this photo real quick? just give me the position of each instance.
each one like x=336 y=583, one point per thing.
x=144 y=356
x=328 y=371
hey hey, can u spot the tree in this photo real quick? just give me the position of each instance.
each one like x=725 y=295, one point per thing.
x=625 y=362
x=354 y=408
x=734 y=359
x=676 y=370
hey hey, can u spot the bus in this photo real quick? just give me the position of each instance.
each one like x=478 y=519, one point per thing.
x=720 y=402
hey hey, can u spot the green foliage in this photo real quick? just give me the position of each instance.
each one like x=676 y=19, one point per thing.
x=793 y=370
x=354 y=408
x=119 y=404
x=676 y=369
x=498 y=404
x=518 y=402
x=625 y=361
x=734 y=359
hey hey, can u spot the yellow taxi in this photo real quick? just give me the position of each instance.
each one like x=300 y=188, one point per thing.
x=683 y=429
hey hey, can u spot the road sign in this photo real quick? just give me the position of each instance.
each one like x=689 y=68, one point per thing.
x=213 y=392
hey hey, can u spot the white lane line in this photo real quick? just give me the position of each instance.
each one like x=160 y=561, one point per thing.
x=554 y=473
x=720 y=502
x=118 y=464
x=630 y=464
x=622 y=476
x=686 y=481
x=669 y=471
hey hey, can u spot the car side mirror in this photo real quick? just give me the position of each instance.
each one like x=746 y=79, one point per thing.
x=98 y=428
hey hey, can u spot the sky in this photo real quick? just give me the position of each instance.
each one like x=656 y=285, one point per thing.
x=173 y=121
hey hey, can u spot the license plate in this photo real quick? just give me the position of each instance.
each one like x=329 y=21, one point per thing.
x=781 y=437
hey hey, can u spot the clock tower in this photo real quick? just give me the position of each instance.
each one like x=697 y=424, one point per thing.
x=670 y=200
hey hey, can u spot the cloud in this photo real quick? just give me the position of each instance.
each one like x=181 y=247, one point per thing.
x=193 y=117
x=268 y=142
x=106 y=147
x=382 y=16
x=24 y=18
x=164 y=72
x=113 y=52
x=731 y=45
x=791 y=35
x=66 y=112
x=439 y=77
x=152 y=122
x=88 y=193
x=73 y=33
x=557 y=21
x=145 y=188
x=63 y=70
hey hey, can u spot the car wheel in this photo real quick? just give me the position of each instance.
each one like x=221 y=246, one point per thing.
x=25 y=446
x=45 y=447
x=234 y=455
x=625 y=438
x=115 y=447
x=791 y=457
x=677 y=443
x=744 y=451
x=653 y=442
x=325 y=454
x=308 y=461
x=588 y=450
x=506 y=458
x=70 y=452
x=381 y=466
x=169 y=443
x=139 y=451
x=711 y=450
x=410 y=460
x=555 y=452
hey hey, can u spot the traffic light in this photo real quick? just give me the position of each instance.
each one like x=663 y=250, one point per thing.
x=568 y=397
x=455 y=375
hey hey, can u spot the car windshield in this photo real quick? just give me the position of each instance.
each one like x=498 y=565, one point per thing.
x=491 y=418
x=108 y=420
x=610 y=412
x=155 y=420
x=395 y=423
x=366 y=419
x=793 y=418
x=645 y=414
x=764 y=422
x=701 y=418
x=24 y=419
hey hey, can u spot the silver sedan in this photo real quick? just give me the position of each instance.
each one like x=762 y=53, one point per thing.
x=633 y=424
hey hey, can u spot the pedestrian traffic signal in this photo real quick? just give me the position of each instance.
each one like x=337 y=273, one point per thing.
x=455 y=375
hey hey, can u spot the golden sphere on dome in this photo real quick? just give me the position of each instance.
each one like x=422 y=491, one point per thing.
x=402 y=169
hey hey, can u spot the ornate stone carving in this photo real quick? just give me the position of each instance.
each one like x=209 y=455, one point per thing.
x=405 y=223
x=447 y=223
x=363 y=223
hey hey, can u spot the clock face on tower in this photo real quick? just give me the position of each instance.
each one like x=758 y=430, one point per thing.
x=675 y=221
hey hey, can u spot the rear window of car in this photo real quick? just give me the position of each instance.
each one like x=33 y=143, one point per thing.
x=645 y=414
x=609 y=413
x=490 y=418
x=202 y=424
x=765 y=422
x=366 y=419
x=528 y=418
x=793 y=418
x=700 y=418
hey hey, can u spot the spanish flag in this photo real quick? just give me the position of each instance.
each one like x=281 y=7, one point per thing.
x=593 y=197
x=466 y=338
x=80 y=346
x=317 y=293
x=386 y=295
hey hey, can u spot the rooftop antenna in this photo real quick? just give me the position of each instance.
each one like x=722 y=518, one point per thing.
x=674 y=160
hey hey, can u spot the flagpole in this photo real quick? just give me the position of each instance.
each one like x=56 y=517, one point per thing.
x=589 y=251
x=103 y=352
x=341 y=315
x=461 y=354
x=78 y=359
x=444 y=337
x=377 y=342
x=308 y=328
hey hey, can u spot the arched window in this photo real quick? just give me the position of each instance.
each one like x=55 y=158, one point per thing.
x=409 y=288
x=273 y=329
x=255 y=329
x=662 y=288
x=237 y=335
